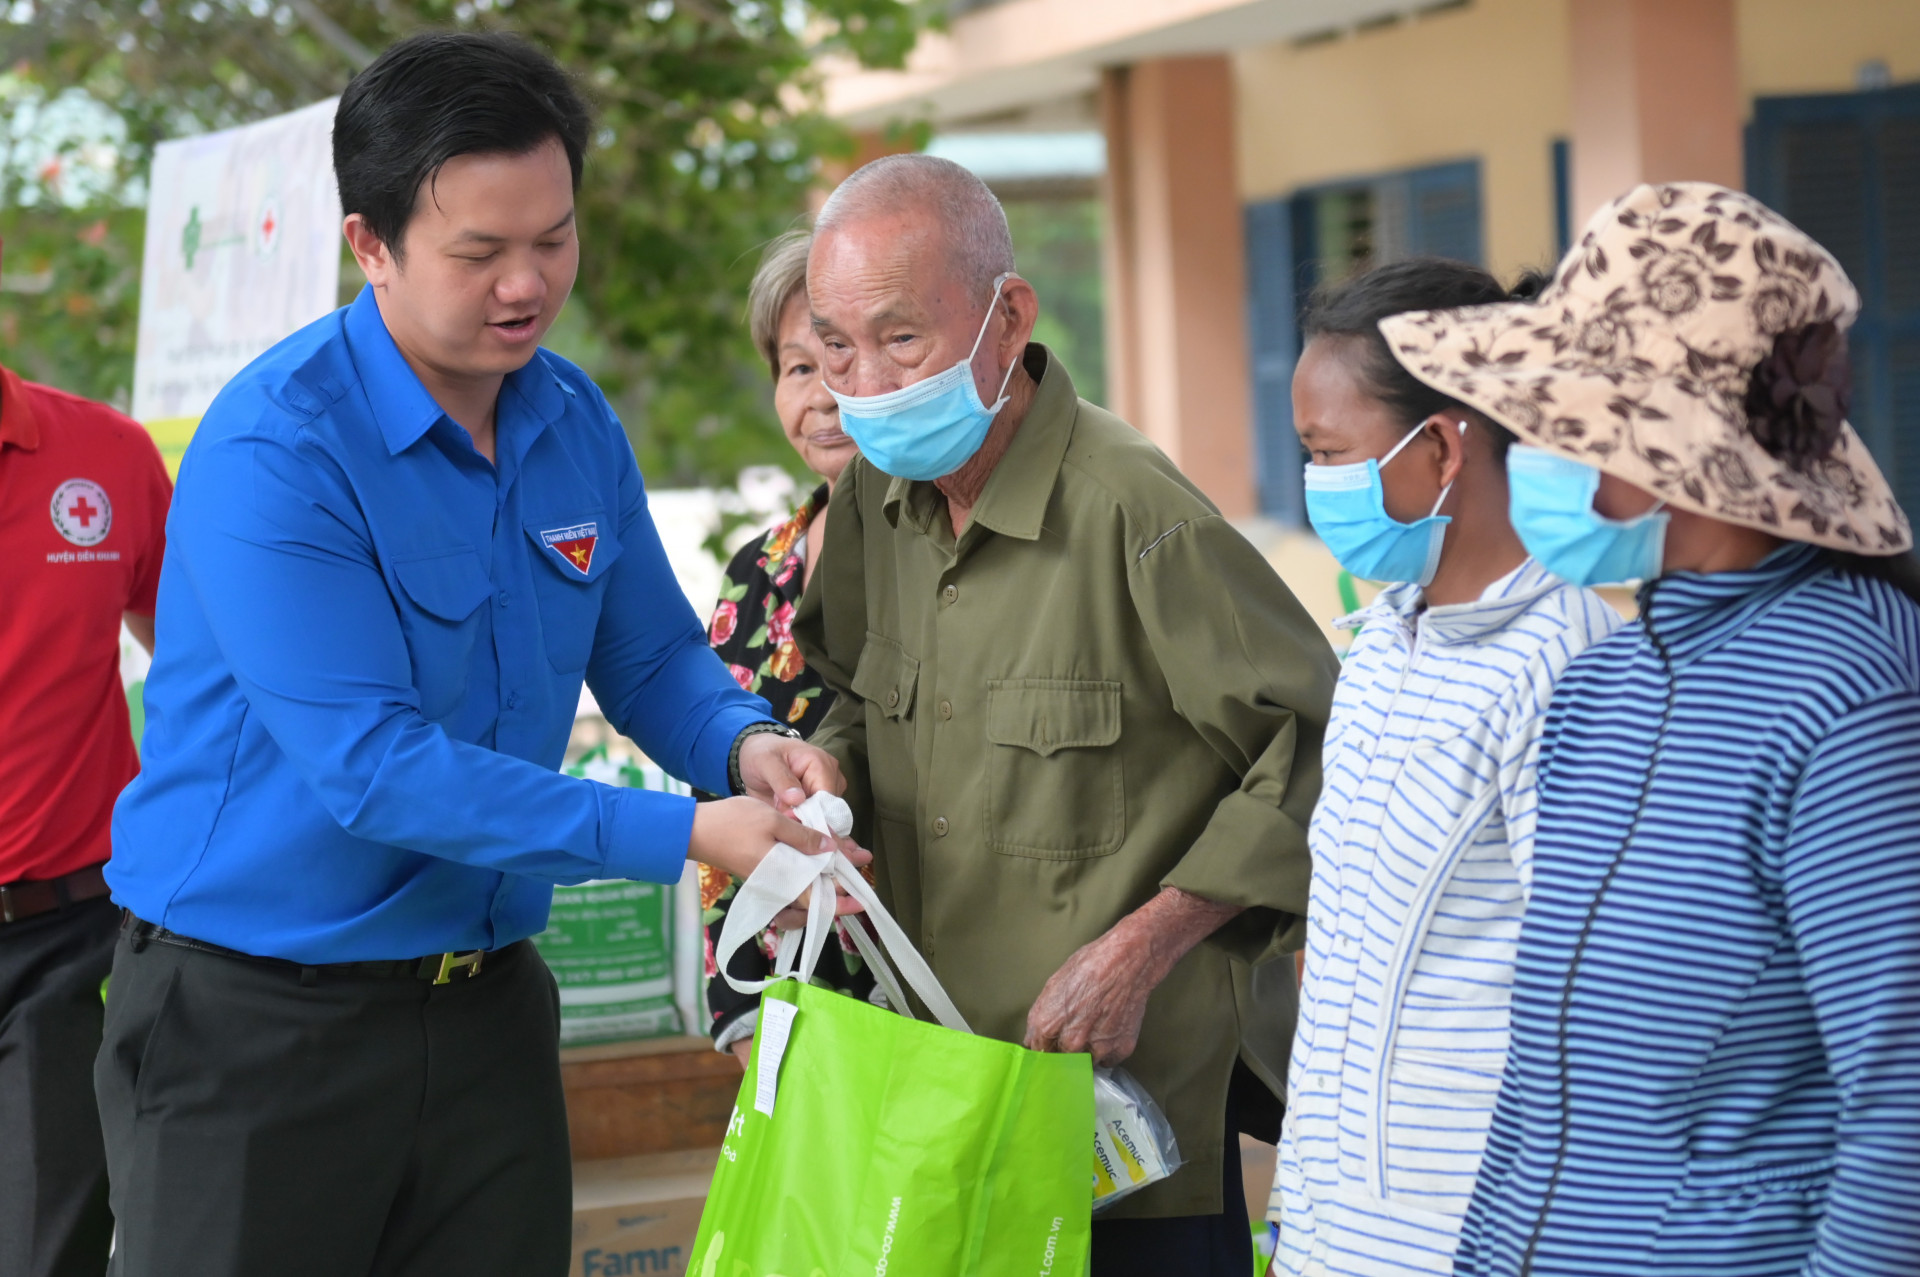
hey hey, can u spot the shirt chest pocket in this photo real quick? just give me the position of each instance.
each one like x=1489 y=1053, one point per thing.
x=886 y=679
x=441 y=594
x=574 y=556
x=1055 y=786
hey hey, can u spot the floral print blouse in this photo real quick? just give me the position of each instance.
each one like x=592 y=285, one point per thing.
x=752 y=625
x=752 y=630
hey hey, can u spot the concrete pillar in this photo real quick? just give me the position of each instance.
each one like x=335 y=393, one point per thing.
x=1176 y=275
x=1656 y=96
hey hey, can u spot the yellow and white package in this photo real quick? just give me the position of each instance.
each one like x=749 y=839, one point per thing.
x=1133 y=1144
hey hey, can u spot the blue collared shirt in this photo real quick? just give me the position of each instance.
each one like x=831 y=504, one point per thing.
x=370 y=650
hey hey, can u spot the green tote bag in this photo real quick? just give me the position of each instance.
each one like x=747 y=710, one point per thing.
x=865 y=1142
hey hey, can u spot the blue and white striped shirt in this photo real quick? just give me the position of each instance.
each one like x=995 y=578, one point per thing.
x=1420 y=844
x=1715 y=1064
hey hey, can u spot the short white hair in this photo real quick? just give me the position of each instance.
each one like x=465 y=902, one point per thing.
x=973 y=224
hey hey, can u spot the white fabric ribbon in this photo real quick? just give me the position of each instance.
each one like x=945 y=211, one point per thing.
x=787 y=874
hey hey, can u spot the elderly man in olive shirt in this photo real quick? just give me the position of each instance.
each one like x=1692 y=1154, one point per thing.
x=1079 y=716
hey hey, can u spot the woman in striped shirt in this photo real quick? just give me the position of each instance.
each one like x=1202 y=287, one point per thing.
x=1715 y=1062
x=1421 y=838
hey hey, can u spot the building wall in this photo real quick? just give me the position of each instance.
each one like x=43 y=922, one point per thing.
x=1486 y=81
x=1816 y=46
x=1490 y=81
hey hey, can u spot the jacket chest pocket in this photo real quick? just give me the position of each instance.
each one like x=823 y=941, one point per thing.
x=574 y=556
x=886 y=678
x=1055 y=786
x=439 y=616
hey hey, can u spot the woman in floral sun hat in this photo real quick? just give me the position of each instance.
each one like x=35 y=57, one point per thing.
x=1715 y=1053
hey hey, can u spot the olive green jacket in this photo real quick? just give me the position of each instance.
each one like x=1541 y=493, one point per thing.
x=1099 y=689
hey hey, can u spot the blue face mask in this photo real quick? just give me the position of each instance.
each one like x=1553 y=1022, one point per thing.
x=1348 y=508
x=931 y=428
x=1550 y=499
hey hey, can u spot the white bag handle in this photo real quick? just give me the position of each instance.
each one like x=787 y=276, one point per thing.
x=784 y=876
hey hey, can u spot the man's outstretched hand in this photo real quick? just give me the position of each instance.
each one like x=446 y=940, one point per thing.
x=1096 y=1001
x=735 y=835
x=783 y=772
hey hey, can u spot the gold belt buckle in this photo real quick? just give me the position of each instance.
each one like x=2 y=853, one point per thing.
x=451 y=961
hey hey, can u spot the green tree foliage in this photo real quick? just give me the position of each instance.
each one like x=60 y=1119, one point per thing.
x=1057 y=246
x=709 y=138
x=69 y=298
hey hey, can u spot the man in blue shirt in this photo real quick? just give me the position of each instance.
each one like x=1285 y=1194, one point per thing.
x=401 y=540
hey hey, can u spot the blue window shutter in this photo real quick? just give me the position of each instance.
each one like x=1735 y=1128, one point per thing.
x=1273 y=335
x=1444 y=211
x=1845 y=168
x=1562 y=156
x=1901 y=460
x=1895 y=164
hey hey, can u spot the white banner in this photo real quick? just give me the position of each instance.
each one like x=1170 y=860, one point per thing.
x=243 y=249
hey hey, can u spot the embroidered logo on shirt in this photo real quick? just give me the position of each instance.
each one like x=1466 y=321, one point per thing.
x=81 y=512
x=574 y=544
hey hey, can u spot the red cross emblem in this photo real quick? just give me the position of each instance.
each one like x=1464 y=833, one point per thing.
x=81 y=512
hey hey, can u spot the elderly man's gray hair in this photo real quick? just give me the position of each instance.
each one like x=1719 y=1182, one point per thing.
x=975 y=225
x=782 y=275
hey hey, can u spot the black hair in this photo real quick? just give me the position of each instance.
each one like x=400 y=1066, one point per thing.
x=1355 y=307
x=1797 y=401
x=438 y=95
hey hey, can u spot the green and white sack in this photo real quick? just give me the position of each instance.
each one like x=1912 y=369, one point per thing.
x=627 y=955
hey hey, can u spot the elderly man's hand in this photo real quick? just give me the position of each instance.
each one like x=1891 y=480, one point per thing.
x=783 y=772
x=1096 y=1001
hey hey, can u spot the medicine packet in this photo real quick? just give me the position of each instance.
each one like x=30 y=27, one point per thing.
x=1133 y=1144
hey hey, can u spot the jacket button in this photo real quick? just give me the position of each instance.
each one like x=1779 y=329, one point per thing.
x=946 y=709
x=893 y=698
x=951 y=593
x=940 y=826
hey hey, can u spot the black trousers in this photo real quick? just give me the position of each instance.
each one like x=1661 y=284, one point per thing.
x=53 y=1174
x=1193 y=1245
x=355 y=1125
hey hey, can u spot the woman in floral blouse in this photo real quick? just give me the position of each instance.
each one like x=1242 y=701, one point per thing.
x=752 y=626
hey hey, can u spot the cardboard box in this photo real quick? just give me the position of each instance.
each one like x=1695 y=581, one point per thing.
x=638 y=1215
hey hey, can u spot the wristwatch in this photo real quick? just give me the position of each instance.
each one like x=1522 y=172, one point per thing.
x=733 y=755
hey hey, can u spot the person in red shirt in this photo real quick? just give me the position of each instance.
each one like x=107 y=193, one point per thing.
x=83 y=508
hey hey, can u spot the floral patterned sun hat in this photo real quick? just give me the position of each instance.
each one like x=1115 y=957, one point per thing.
x=1692 y=343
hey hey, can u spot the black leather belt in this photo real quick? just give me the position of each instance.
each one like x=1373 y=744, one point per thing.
x=29 y=898
x=437 y=967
